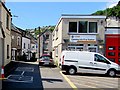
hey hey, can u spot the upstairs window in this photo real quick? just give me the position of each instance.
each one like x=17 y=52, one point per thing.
x=47 y=36
x=7 y=51
x=7 y=21
x=73 y=27
x=24 y=46
x=83 y=26
x=18 y=41
x=92 y=27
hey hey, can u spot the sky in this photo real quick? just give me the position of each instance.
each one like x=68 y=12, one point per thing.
x=31 y=15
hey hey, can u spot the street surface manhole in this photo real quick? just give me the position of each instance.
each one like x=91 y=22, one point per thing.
x=28 y=69
x=20 y=78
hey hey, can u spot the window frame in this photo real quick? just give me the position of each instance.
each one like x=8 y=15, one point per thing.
x=105 y=60
x=76 y=27
x=96 y=27
x=88 y=27
x=7 y=21
x=8 y=51
x=79 y=27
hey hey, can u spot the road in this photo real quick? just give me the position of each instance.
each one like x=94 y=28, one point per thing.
x=32 y=77
x=80 y=80
x=94 y=81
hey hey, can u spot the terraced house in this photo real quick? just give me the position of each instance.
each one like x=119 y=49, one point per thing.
x=78 y=32
x=5 y=19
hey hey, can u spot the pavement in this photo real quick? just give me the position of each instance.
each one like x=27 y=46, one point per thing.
x=25 y=76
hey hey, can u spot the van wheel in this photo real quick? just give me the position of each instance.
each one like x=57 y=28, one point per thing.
x=112 y=73
x=71 y=71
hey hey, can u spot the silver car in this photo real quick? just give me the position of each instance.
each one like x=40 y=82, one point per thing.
x=46 y=60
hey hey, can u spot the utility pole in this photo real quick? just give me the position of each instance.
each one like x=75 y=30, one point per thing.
x=39 y=42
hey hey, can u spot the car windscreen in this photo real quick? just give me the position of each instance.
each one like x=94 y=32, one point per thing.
x=45 y=58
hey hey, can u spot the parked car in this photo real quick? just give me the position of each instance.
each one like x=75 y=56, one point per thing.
x=87 y=62
x=46 y=60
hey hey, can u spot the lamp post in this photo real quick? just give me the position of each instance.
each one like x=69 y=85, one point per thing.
x=39 y=42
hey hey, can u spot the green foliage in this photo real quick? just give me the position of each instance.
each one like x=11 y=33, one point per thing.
x=115 y=11
x=42 y=29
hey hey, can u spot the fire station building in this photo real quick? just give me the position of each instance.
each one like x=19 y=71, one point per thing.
x=112 y=38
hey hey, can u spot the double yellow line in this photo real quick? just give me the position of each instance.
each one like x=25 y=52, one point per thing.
x=68 y=80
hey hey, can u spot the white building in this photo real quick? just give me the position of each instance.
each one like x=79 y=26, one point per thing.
x=26 y=47
x=78 y=32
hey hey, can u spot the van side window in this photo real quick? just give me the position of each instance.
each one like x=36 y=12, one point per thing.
x=99 y=58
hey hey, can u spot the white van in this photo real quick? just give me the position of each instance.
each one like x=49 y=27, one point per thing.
x=87 y=62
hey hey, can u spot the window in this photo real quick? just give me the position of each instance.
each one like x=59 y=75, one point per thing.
x=112 y=59
x=92 y=27
x=92 y=49
x=13 y=37
x=56 y=51
x=73 y=27
x=7 y=51
x=24 y=46
x=33 y=47
x=83 y=27
x=47 y=36
x=111 y=48
x=99 y=58
x=119 y=60
x=118 y=48
x=56 y=34
x=28 y=46
x=119 y=54
x=7 y=21
x=18 y=41
x=111 y=54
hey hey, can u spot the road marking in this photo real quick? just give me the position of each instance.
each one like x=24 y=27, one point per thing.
x=3 y=78
x=68 y=80
x=23 y=73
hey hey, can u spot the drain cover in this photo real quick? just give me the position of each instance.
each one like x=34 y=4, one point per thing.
x=28 y=69
x=20 y=78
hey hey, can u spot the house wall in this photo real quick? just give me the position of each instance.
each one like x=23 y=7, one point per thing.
x=14 y=39
x=1 y=51
x=45 y=44
x=7 y=40
x=27 y=46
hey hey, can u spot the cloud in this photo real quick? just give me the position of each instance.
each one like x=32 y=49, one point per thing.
x=112 y=5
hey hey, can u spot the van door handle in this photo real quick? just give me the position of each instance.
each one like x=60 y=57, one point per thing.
x=91 y=62
x=95 y=63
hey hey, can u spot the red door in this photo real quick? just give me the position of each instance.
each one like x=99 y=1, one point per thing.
x=113 y=47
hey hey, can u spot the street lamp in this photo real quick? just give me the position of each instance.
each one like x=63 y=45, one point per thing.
x=39 y=41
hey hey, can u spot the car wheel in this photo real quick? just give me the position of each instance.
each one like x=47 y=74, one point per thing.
x=71 y=71
x=112 y=73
